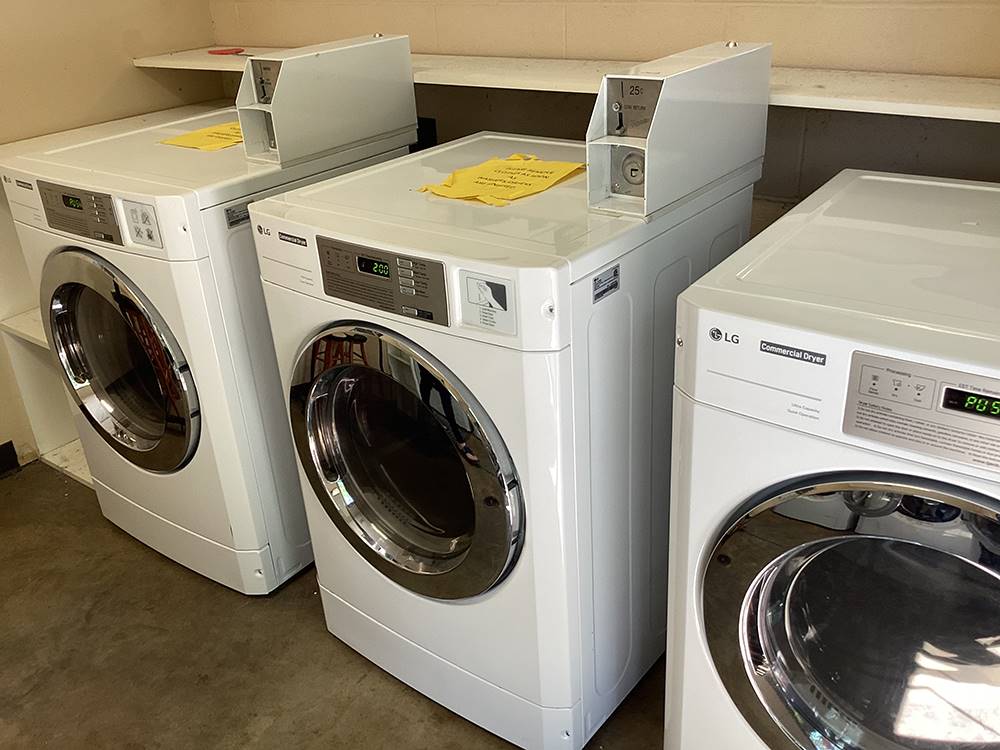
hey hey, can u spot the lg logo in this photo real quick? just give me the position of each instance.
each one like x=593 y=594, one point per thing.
x=263 y=230
x=718 y=335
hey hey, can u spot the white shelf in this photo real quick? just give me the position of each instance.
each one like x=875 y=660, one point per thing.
x=27 y=327
x=570 y=76
x=69 y=460
x=200 y=59
x=946 y=97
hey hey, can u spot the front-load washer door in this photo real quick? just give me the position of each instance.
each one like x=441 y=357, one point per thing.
x=122 y=365
x=406 y=462
x=830 y=638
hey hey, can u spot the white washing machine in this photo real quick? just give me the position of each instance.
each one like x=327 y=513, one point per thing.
x=474 y=397
x=151 y=299
x=849 y=354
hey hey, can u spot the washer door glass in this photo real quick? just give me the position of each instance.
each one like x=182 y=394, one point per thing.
x=123 y=367
x=406 y=463
x=861 y=612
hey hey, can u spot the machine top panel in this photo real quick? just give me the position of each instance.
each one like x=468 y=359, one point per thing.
x=139 y=154
x=550 y=225
x=128 y=156
x=922 y=253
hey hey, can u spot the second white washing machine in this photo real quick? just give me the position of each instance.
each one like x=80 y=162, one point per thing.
x=473 y=395
x=476 y=395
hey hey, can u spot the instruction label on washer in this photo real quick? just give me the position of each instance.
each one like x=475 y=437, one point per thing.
x=488 y=302
x=236 y=215
x=607 y=282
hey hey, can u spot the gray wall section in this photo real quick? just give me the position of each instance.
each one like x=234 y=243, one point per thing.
x=805 y=147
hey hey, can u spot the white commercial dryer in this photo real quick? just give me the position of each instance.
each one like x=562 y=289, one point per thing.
x=849 y=355
x=473 y=395
x=151 y=298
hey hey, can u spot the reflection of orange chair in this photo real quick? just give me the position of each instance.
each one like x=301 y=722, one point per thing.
x=335 y=349
x=149 y=339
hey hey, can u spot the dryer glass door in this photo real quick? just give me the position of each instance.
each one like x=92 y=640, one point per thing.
x=123 y=367
x=879 y=633
x=406 y=462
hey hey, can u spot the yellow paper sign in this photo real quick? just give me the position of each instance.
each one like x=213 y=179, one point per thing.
x=213 y=138
x=497 y=182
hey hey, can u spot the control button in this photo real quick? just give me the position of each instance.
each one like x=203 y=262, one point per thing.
x=409 y=310
x=406 y=282
x=405 y=273
x=143 y=227
x=404 y=263
x=407 y=290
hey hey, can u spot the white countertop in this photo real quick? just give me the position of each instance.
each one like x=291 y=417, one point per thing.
x=26 y=326
x=946 y=97
x=200 y=59
x=574 y=76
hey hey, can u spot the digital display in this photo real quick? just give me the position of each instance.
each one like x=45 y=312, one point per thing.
x=374 y=267
x=72 y=202
x=971 y=403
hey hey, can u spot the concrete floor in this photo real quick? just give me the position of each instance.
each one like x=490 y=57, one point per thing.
x=105 y=643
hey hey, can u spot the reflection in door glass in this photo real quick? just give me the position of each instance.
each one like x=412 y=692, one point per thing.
x=398 y=456
x=405 y=463
x=869 y=637
x=125 y=363
x=868 y=618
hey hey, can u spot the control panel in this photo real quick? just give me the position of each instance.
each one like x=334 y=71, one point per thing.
x=927 y=409
x=80 y=212
x=896 y=385
x=414 y=287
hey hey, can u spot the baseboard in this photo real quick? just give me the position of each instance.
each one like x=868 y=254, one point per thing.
x=8 y=459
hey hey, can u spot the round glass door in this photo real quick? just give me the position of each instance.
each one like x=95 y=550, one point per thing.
x=122 y=365
x=406 y=463
x=861 y=612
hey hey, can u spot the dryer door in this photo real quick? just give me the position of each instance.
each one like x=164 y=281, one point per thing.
x=406 y=462
x=122 y=365
x=881 y=637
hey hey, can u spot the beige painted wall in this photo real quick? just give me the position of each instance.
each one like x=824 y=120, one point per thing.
x=69 y=64
x=953 y=37
x=64 y=65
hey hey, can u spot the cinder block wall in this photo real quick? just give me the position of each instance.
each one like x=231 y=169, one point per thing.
x=950 y=37
x=805 y=147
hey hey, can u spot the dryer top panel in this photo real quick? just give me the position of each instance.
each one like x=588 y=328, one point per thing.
x=129 y=156
x=919 y=251
x=383 y=204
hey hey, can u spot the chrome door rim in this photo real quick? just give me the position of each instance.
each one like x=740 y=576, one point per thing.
x=768 y=672
x=500 y=524
x=74 y=267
